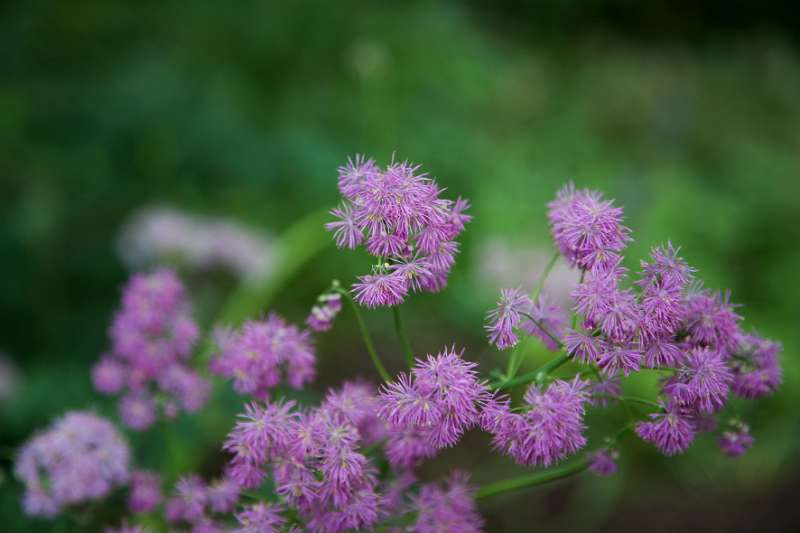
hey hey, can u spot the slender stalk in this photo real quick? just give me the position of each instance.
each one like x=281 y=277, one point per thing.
x=365 y=336
x=575 y=315
x=545 y=273
x=531 y=480
x=537 y=375
x=544 y=329
x=401 y=334
x=514 y=360
x=295 y=246
x=642 y=401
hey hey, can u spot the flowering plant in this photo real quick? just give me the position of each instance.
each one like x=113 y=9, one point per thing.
x=349 y=462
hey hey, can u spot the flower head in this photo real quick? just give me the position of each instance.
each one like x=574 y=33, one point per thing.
x=671 y=430
x=450 y=507
x=756 y=369
x=506 y=316
x=399 y=215
x=79 y=458
x=587 y=228
x=145 y=492
x=604 y=462
x=736 y=440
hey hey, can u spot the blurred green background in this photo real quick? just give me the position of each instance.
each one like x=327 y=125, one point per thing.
x=688 y=115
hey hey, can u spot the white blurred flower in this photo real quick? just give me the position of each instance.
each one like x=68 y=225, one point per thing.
x=157 y=233
x=498 y=263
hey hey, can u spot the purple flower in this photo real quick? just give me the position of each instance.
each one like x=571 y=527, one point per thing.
x=151 y=336
x=357 y=403
x=399 y=214
x=137 y=411
x=346 y=232
x=323 y=313
x=586 y=228
x=407 y=446
x=550 y=429
x=260 y=434
x=583 y=347
x=736 y=440
x=145 y=492
x=261 y=518
x=604 y=462
x=671 y=430
x=378 y=290
x=256 y=356
x=662 y=352
x=79 y=458
x=756 y=370
x=620 y=358
x=711 y=321
x=702 y=381
x=450 y=507
x=193 y=493
x=598 y=295
x=506 y=316
x=222 y=495
x=442 y=395
x=108 y=376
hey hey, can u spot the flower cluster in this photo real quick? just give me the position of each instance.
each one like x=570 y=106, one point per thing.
x=450 y=507
x=549 y=428
x=152 y=336
x=663 y=319
x=157 y=234
x=145 y=491
x=202 y=506
x=324 y=311
x=398 y=215
x=432 y=407
x=80 y=458
x=314 y=457
x=258 y=355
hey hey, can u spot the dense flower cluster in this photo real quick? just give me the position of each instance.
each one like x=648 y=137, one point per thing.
x=80 y=458
x=258 y=355
x=662 y=319
x=157 y=234
x=450 y=507
x=314 y=457
x=432 y=407
x=152 y=336
x=398 y=215
x=548 y=429
x=348 y=463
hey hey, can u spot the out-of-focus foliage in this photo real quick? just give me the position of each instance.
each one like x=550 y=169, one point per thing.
x=245 y=110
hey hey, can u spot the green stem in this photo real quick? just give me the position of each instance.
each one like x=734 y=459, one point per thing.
x=545 y=273
x=296 y=246
x=365 y=336
x=575 y=315
x=642 y=401
x=514 y=360
x=531 y=480
x=401 y=334
x=541 y=326
x=537 y=375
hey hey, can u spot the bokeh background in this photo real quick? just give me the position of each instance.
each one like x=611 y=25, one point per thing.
x=688 y=115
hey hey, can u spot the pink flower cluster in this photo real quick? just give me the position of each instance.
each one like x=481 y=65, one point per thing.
x=315 y=460
x=432 y=407
x=80 y=458
x=398 y=215
x=549 y=428
x=261 y=353
x=152 y=336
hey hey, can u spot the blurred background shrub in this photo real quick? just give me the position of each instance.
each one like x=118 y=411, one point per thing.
x=686 y=113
